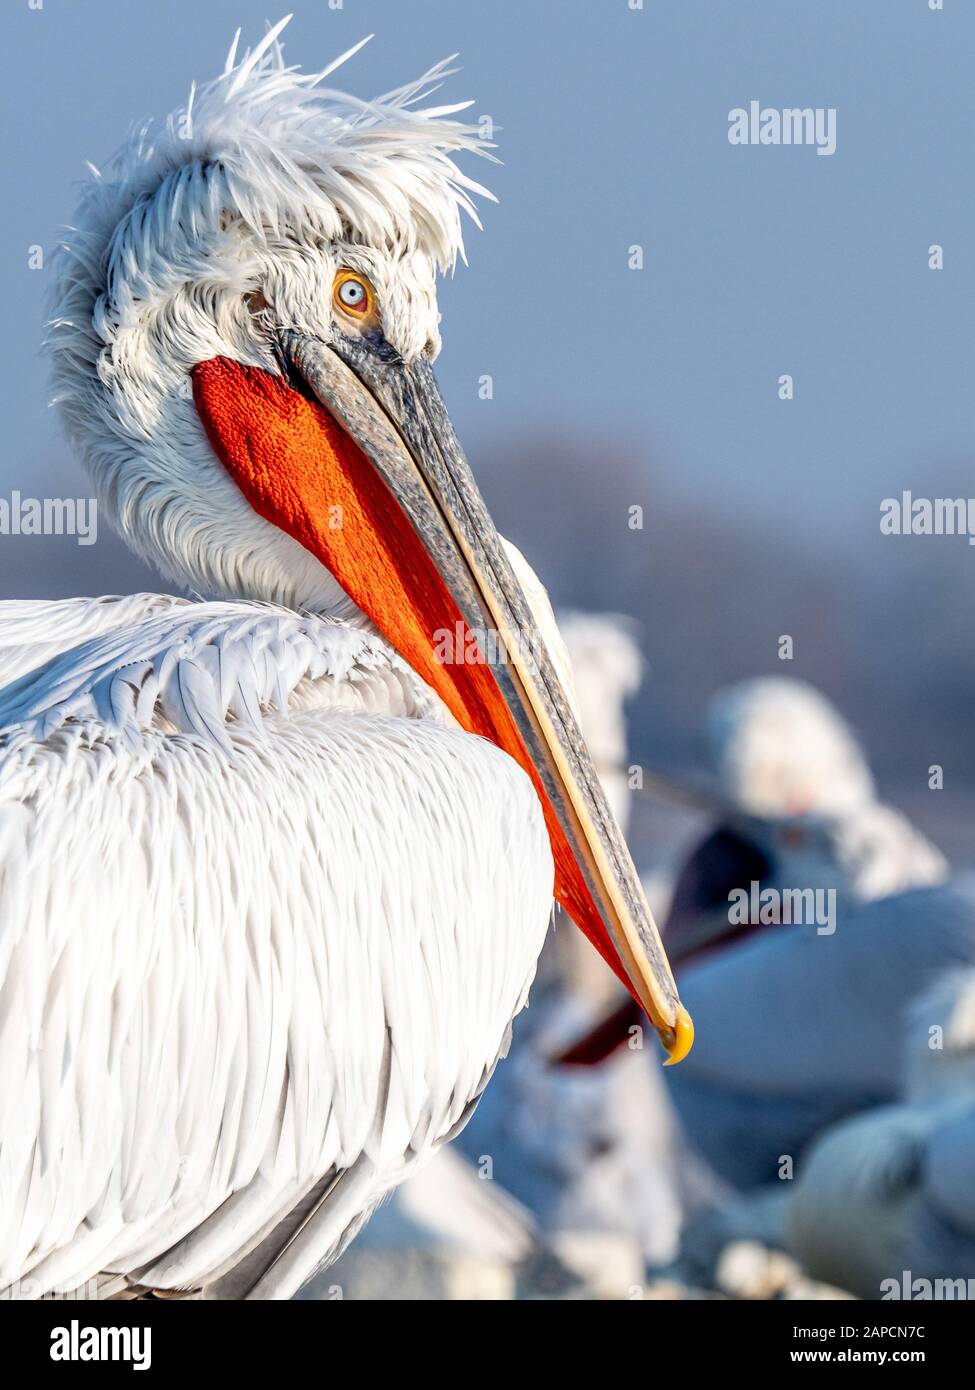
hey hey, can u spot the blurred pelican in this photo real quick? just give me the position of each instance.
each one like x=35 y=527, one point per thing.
x=804 y=817
x=801 y=792
x=838 y=1000
x=796 y=810
x=885 y=1203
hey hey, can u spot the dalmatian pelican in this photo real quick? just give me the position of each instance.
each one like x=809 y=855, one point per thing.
x=885 y=1205
x=277 y=860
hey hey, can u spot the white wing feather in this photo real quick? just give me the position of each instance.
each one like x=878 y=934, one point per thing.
x=264 y=917
x=34 y=631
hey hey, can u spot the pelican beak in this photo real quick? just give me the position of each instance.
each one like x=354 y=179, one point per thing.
x=360 y=464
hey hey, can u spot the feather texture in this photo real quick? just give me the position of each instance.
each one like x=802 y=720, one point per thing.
x=264 y=917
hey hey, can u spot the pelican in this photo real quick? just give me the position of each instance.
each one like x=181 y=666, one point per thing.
x=278 y=859
x=802 y=794
x=795 y=807
x=805 y=816
x=884 y=1205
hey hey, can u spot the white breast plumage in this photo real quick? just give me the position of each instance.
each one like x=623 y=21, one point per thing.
x=237 y=992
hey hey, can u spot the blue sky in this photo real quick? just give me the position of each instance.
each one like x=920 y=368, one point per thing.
x=757 y=261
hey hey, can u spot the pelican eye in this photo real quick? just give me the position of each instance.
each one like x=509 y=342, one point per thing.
x=352 y=293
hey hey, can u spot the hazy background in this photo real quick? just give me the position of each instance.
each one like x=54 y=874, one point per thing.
x=614 y=387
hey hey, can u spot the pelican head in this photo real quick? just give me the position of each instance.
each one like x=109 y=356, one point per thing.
x=782 y=751
x=243 y=340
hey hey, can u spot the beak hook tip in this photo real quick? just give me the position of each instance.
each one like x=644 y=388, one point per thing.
x=679 y=1040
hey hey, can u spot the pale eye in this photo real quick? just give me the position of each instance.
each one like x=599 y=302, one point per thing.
x=352 y=294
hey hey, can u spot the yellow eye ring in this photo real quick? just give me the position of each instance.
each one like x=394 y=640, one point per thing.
x=352 y=294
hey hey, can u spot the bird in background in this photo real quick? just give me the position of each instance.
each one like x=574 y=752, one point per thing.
x=805 y=818
x=800 y=791
x=794 y=807
x=885 y=1203
x=278 y=859
x=803 y=1133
